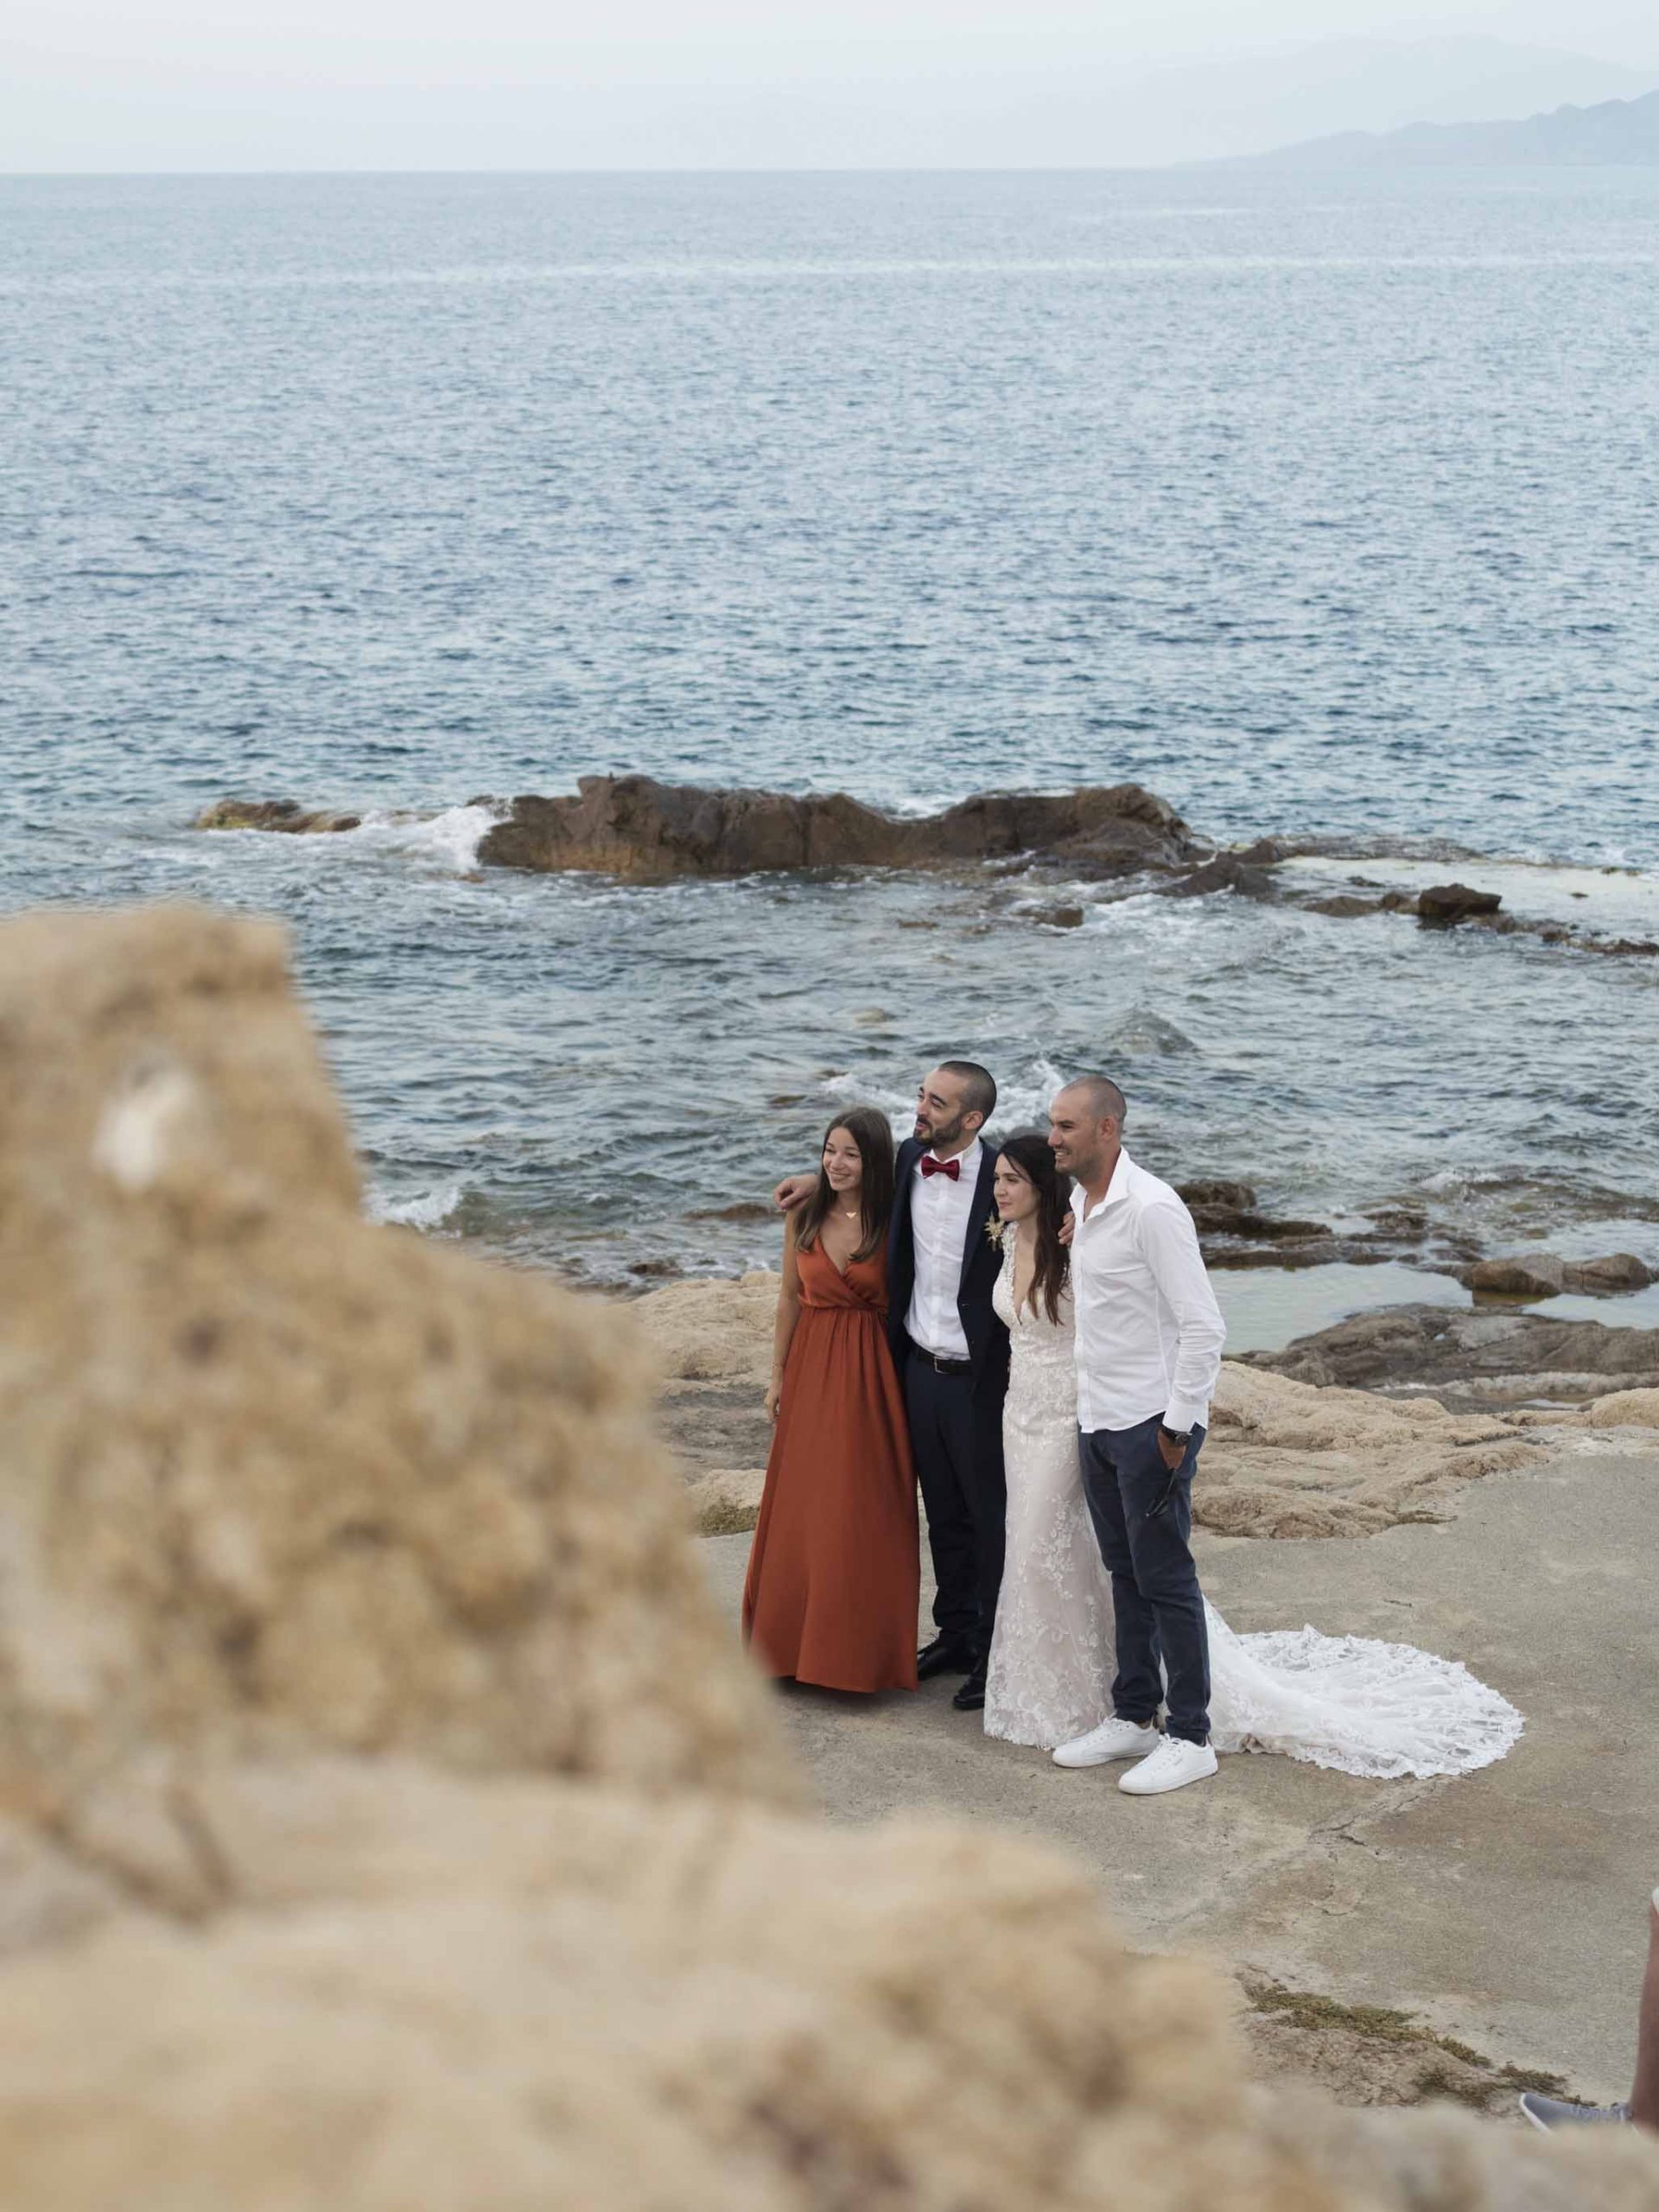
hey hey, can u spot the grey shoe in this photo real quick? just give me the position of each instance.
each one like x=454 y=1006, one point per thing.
x=1552 y=2112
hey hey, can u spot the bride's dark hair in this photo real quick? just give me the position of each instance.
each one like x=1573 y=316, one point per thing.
x=1029 y=1151
x=871 y=1131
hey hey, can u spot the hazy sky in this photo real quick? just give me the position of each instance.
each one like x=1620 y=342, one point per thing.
x=192 y=84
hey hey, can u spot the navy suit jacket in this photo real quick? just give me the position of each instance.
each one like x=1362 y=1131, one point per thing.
x=987 y=1338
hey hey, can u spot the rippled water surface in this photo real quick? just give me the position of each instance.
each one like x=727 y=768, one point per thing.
x=1318 y=504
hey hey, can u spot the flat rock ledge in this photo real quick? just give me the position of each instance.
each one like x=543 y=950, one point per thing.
x=1483 y=1359
x=1287 y=1457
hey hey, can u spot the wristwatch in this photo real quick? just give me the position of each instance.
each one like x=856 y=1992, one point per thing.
x=1183 y=1437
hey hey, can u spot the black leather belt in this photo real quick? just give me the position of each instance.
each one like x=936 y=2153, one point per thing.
x=944 y=1366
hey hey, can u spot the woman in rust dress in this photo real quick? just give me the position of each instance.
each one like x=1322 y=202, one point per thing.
x=832 y=1588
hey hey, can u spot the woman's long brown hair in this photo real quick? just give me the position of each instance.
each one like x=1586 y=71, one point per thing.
x=871 y=1131
x=1030 y=1153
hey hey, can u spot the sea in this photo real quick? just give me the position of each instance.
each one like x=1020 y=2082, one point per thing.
x=1322 y=505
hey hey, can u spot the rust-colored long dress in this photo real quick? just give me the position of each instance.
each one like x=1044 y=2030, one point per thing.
x=832 y=1587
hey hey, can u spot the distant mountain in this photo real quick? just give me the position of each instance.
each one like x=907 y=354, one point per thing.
x=1612 y=132
x=1253 y=103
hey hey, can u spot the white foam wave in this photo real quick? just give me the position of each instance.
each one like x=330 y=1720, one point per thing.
x=424 y=1210
x=1022 y=1103
x=449 y=841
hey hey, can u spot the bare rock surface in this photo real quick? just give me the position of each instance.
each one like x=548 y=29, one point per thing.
x=1284 y=1458
x=1227 y=872
x=269 y=1474
x=389 y=1819
x=1288 y=1459
x=635 y=826
x=1443 y=905
x=279 y=814
x=1542 y=1274
x=560 y=1997
x=1482 y=1358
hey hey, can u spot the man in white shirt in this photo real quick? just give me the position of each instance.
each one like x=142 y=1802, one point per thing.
x=1149 y=1339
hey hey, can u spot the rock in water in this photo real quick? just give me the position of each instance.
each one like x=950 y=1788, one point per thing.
x=349 y=1630
x=280 y=814
x=269 y=1475
x=1227 y=872
x=1445 y=904
x=635 y=826
x=1540 y=1276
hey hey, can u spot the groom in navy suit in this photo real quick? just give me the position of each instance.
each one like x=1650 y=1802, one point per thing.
x=951 y=1352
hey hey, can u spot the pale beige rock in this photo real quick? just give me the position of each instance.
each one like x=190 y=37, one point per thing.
x=429 y=1991
x=46 y=1895
x=1283 y=1459
x=269 y=1476
x=712 y=1331
x=950 y=2022
x=1633 y=1408
x=727 y=1501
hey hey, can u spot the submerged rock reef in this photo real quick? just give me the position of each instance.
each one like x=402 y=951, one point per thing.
x=387 y=1819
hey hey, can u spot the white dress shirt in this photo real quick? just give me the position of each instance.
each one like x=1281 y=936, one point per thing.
x=1149 y=1331
x=941 y=1222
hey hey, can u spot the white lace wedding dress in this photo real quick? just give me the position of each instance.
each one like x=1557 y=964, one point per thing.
x=1346 y=1702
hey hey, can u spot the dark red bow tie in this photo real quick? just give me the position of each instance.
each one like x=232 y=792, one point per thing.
x=951 y=1167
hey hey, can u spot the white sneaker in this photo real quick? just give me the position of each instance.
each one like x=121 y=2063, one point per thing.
x=1113 y=1740
x=1172 y=1766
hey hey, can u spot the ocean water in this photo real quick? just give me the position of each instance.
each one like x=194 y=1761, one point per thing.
x=1320 y=505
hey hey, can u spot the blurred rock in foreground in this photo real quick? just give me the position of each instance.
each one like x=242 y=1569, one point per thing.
x=385 y=1820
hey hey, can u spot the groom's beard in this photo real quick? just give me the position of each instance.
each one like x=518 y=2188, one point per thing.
x=929 y=1133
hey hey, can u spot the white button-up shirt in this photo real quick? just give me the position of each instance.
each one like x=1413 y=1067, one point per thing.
x=941 y=1222
x=1149 y=1331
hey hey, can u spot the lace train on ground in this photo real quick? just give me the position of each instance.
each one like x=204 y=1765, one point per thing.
x=1379 y=1710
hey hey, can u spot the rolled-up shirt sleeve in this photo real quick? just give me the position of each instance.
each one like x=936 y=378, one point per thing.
x=1170 y=1246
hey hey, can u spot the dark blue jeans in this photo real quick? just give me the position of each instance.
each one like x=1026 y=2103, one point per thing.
x=1155 y=1583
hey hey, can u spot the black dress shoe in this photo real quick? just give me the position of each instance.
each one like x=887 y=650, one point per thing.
x=944 y=1656
x=971 y=1696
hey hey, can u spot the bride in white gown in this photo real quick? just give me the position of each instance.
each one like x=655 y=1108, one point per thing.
x=1367 y=1708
